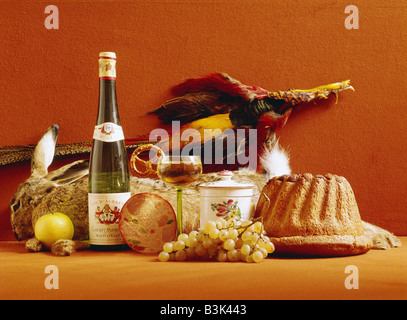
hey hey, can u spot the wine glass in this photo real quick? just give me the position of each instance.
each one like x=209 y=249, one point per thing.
x=179 y=171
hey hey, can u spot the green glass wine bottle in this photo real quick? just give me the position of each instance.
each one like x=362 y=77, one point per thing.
x=109 y=178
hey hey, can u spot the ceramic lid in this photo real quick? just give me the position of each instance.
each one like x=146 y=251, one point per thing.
x=226 y=182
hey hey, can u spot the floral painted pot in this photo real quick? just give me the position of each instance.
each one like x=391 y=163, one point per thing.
x=225 y=198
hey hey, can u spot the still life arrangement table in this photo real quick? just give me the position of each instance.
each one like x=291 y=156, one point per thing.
x=303 y=231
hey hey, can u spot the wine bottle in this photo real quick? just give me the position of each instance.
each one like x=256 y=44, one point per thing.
x=109 y=178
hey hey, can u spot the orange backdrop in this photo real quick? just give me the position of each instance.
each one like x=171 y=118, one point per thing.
x=51 y=76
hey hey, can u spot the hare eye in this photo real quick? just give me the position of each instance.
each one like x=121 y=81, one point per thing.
x=49 y=189
x=16 y=206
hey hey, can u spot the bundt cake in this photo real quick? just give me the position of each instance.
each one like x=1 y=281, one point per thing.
x=312 y=216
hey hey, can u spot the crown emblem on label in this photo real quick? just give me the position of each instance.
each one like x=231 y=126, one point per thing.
x=107 y=215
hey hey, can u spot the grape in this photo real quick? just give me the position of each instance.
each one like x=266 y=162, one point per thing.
x=167 y=247
x=222 y=256
x=257 y=256
x=229 y=244
x=191 y=242
x=241 y=256
x=217 y=242
x=200 y=236
x=193 y=234
x=221 y=223
x=264 y=252
x=233 y=234
x=214 y=233
x=209 y=226
x=247 y=225
x=179 y=245
x=212 y=251
x=180 y=255
x=183 y=237
x=163 y=256
x=223 y=235
x=190 y=253
x=269 y=246
x=233 y=255
x=238 y=243
x=258 y=227
x=221 y=240
x=245 y=250
x=199 y=249
x=207 y=243
x=254 y=237
x=246 y=236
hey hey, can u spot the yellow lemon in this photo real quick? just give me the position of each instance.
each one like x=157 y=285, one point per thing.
x=52 y=227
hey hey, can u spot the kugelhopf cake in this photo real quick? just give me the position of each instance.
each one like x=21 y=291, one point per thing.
x=311 y=215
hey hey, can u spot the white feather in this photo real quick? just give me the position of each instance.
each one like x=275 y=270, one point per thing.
x=275 y=162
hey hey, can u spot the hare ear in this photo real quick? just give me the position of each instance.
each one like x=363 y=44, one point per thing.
x=44 y=152
x=69 y=173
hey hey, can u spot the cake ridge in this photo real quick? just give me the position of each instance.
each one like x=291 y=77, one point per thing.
x=285 y=193
x=321 y=212
x=294 y=208
x=309 y=203
x=331 y=211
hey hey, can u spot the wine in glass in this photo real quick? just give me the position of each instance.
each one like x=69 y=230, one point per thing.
x=179 y=171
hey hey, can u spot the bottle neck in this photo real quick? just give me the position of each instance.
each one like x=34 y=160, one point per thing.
x=108 y=111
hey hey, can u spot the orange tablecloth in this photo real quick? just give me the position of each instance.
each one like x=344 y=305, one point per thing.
x=130 y=275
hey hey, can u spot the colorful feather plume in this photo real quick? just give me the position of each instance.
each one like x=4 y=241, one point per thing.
x=215 y=102
x=220 y=101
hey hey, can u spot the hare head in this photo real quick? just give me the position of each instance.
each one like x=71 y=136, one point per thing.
x=40 y=183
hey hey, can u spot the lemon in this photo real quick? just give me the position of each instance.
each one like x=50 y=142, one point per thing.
x=52 y=227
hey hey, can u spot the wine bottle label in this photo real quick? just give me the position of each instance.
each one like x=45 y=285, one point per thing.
x=107 y=66
x=104 y=214
x=108 y=132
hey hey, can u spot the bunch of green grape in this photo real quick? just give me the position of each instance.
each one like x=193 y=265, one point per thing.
x=221 y=240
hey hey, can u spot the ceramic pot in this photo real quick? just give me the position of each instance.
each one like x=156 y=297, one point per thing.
x=225 y=198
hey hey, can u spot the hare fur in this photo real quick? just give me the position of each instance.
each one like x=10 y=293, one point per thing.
x=66 y=190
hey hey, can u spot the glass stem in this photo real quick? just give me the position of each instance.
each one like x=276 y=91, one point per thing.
x=179 y=210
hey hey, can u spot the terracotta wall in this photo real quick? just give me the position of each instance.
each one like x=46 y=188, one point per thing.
x=50 y=76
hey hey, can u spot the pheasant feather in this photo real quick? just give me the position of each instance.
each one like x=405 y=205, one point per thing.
x=215 y=101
